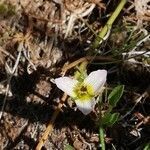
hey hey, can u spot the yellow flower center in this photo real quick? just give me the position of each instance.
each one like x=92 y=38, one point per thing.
x=83 y=91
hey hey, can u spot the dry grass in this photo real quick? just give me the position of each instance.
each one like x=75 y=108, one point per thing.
x=39 y=40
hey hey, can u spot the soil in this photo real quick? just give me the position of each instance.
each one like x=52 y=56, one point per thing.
x=37 y=33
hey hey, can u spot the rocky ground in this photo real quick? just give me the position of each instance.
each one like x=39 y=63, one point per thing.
x=38 y=38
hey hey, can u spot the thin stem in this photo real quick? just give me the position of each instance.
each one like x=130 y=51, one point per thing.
x=108 y=25
x=101 y=136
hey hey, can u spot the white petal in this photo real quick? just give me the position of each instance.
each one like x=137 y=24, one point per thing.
x=97 y=79
x=66 y=84
x=85 y=106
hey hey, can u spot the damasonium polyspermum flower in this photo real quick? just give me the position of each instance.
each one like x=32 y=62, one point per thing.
x=83 y=93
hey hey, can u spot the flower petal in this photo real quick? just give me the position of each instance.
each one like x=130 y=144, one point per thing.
x=85 y=106
x=97 y=79
x=66 y=84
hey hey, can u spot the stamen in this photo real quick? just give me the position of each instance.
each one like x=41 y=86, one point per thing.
x=84 y=92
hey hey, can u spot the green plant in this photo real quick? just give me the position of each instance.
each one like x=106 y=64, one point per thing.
x=147 y=146
x=68 y=147
x=7 y=10
x=109 y=118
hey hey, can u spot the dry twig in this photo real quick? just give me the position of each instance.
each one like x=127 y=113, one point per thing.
x=87 y=58
x=51 y=123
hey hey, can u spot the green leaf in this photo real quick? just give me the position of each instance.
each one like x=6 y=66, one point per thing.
x=115 y=95
x=110 y=119
x=68 y=147
x=147 y=146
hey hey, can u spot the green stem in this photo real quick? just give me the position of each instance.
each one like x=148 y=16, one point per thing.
x=108 y=25
x=81 y=70
x=101 y=136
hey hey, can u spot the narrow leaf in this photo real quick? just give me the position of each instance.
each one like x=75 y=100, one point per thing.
x=115 y=95
x=110 y=119
x=68 y=147
x=114 y=118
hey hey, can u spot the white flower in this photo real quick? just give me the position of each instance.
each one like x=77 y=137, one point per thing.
x=84 y=92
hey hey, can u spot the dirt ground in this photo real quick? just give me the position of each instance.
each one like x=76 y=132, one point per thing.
x=38 y=39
